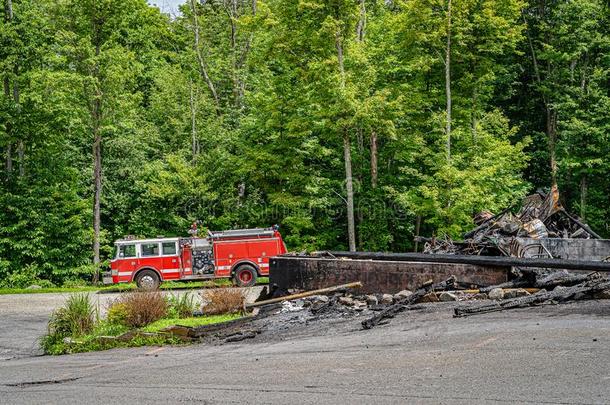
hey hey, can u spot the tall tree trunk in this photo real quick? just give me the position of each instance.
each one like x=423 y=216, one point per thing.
x=360 y=28
x=8 y=17
x=583 y=197
x=417 y=229
x=96 y=118
x=193 y=110
x=374 y=159
x=9 y=146
x=551 y=114
x=9 y=159
x=243 y=58
x=20 y=144
x=232 y=13
x=448 y=80
x=351 y=229
x=16 y=96
x=97 y=188
x=203 y=70
x=359 y=211
x=347 y=154
x=551 y=130
x=8 y=10
x=474 y=115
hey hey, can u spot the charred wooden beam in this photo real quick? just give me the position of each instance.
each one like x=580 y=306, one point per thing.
x=404 y=303
x=581 y=224
x=327 y=290
x=498 y=261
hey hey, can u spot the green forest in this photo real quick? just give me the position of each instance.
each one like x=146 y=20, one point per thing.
x=353 y=124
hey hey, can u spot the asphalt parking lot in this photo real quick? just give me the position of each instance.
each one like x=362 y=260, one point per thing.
x=552 y=354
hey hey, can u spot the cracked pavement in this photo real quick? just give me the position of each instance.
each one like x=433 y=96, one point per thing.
x=551 y=354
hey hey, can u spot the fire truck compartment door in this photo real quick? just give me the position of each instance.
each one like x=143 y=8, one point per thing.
x=171 y=261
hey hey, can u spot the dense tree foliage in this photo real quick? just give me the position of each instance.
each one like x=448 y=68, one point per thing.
x=354 y=124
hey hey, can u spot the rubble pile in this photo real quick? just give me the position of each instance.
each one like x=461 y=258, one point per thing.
x=593 y=286
x=540 y=216
x=529 y=287
x=300 y=311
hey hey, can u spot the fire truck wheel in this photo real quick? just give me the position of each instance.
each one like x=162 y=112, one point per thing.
x=147 y=280
x=245 y=276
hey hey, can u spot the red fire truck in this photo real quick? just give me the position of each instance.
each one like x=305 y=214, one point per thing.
x=240 y=254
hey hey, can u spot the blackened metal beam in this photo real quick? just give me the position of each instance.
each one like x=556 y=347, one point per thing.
x=477 y=260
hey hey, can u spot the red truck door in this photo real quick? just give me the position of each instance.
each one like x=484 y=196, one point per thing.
x=258 y=251
x=186 y=257
x=224 y=257
x=171 y=261
x=127 y=261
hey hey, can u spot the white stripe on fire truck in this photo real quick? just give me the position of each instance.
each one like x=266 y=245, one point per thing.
x=170 y=271
x=129 y=273
x=264 y=265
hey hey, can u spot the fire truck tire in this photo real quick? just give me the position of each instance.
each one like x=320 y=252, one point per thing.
x=245 y=276
x=147 y=280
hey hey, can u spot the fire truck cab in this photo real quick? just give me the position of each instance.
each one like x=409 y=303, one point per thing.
x=241 y=255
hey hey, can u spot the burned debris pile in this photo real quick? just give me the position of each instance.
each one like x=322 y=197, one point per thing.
x=533 y=287
x=344 y=303
x=391 y=310
x=540 y=216
x=590 y=286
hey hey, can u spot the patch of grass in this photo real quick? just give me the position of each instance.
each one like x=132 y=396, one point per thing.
x=168 y=285
x=95 y=341
x=4 y=291
x=192 y=321
x=75 y=289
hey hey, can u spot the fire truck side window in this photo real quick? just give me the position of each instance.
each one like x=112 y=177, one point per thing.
x=169 y=248
x=149 y=249
x=127 y=251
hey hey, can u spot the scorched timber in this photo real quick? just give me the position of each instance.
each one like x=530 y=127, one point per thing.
x=497 y=261
x=404 y=303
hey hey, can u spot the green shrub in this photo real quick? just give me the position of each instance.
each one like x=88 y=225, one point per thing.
x=181 y=306
x=220 y=301
x=143 y=308
x=75 y=283
x=117 y=314
x=44 y=284
x=23 y=278
x=76 y=318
